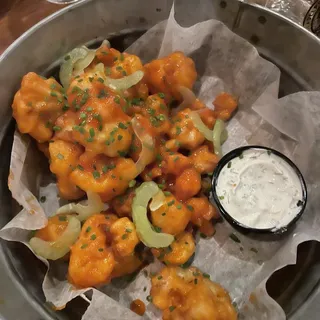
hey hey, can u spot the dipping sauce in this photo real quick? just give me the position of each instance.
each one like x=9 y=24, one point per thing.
x=260 y=190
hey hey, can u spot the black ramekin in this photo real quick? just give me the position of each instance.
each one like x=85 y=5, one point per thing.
x=236 y=224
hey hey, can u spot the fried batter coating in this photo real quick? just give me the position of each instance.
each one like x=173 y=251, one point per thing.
x=172 y=217
x=203 y=160
x=184 y=131
x=64 y=157
x=179 y=252
x=187 y=184
x=37 y=105
x=124 y=236
x=91 y=259
x=189 y=294
x=224 y=106
x=108 y=177
x=167 y=74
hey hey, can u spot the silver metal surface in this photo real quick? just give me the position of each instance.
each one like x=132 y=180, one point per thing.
x=281 y=41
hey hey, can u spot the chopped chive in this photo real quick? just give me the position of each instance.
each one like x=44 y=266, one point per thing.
x=163 y=214
x=132 y=183
x=170 y=203
x=269 y=152
x=91 y=132
x=60 y=156
x=120 y=137
x=93 y=237
x=56 y=128
x=160 y=277
x=100 y=249
x=167 y=193
x=96 y=174
x=121 y=57
x=149 y=298
x=83 y=115
x=88 y=229
x=178 y=130
x=234 y=237
x=128 y=230
x=124 y=236
x=190 y=207
x=221 y=197
x=108 y=71
x=161 y=95
x=100 y=80
x=90 y=79
x=206 y=275
x=254 y=250
x=67 y=58
x=90 y=139
x=202 y=235
x=229 y=164
x=116 y=99
x=171 y=308
x=157 y=229
x=84 y=246
x=241 y=156
x=89 y=109
x=122 y=125
x=62 y=218
x=179 y=206
x=53 y=86
x=195 y=281
x=43 y=199
x=175 y=159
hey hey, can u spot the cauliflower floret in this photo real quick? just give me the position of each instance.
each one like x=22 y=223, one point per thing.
x=109 y=177
x=167 y=74
x=189 y=294
x=187 y=184
x=125 y=237
x=203 y=160
x=156 y=111
x=172 y=217
x=179 y=252
x=64 y=157
x=91 y=259
x=224 y=106
x=54 y=228
x=122 y=205
x=37 y=105
x=126 y=265
x=184 y=131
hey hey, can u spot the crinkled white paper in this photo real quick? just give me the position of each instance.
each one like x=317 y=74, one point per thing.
x=225 y=62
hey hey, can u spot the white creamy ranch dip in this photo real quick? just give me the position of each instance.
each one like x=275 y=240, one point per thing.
x=259 y=189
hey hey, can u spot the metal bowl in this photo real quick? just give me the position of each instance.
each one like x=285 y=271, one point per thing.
x=122 y=22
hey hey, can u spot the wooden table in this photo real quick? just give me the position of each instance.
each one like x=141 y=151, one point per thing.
x=17 y=16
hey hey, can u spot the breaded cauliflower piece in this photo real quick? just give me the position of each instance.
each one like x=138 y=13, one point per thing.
x=167 y=74
x=64 y=157
x=37 y=105
x=189 y=294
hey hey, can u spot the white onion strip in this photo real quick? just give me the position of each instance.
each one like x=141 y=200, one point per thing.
x=57 y=249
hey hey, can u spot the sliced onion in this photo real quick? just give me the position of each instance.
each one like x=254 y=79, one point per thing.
x=94 y=205
x=79 y=59
x=83 y=63
x=218 y=132
x=198 y=123
x=157 y=201
x=125 y=82
x=147 y=143
x=188 y=99
x=57 y=249
x=67 y=66
x=144 y=228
